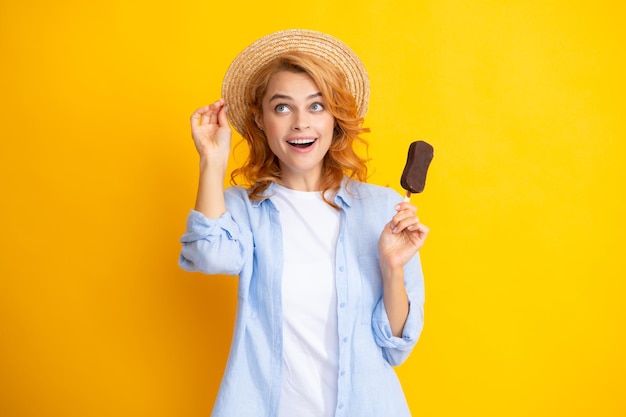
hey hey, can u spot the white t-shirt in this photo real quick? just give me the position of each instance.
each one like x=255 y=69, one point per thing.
x=310 y=340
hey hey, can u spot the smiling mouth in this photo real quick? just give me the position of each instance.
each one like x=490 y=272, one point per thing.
x=301 y=143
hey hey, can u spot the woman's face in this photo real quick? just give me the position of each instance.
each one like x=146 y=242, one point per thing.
x=298 y=127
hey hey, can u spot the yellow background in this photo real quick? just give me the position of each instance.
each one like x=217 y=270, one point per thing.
x=524 y=102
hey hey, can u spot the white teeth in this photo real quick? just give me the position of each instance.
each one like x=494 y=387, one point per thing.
x=301 y=141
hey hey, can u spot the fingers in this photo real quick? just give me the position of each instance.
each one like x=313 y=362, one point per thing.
x=209 y=114
x=406 y=219
x=405 y=205
x=214 y=110
x=422 y=230
x=197 y=115
x=411 y=224
x=221 y=116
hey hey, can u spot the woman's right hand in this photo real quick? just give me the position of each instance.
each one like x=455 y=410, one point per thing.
x=210 y=131
x=211 y=134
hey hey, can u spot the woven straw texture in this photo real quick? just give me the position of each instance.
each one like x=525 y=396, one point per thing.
x=267 y=48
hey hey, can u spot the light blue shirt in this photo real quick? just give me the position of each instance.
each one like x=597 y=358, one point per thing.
x=247 y=241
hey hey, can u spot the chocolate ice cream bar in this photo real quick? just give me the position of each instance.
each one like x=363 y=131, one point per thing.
x=418 y=160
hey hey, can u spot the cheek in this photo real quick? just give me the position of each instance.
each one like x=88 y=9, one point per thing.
x=272 y=125
x=273 y=136
x=330 y=126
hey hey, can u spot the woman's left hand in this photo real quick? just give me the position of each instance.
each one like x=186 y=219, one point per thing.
x=402 y=237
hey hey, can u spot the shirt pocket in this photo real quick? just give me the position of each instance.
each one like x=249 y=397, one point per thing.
x=371 y=286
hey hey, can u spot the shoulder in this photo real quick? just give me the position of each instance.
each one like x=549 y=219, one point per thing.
x=236 y=199
x=239 y=204
x=236 y=191
x=371 y=192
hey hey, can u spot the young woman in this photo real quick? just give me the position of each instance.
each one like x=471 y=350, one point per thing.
x=330 y=289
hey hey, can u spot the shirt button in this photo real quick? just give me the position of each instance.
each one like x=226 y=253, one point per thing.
x=342 y=305
x=342 y=373
x=340 y=406
x=341 y=268
x=345 y=339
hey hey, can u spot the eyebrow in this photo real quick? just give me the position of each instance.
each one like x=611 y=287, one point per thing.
x=286 y=97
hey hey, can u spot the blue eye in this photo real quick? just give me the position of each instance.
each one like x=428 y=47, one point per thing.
x=281 y=108
x=317 y=107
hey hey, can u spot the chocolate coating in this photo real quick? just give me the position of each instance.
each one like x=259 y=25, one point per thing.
x=417 y=162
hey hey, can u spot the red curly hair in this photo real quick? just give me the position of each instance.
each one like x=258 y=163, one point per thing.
x=262 y=166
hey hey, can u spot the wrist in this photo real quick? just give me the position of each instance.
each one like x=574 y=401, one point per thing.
x=392 y=272
x=213 y=165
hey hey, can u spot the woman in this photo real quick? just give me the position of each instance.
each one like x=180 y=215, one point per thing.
x=330 y=289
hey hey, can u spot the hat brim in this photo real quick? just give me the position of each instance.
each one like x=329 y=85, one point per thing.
x=264 y=50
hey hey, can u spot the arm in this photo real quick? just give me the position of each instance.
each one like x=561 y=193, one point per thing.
x=395 y=299
x=211 y=135
x=399 y=241
x=210 y=243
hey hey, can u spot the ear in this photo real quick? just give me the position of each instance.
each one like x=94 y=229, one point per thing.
x=258 y=120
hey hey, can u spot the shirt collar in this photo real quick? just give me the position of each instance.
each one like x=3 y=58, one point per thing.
x=342 y=199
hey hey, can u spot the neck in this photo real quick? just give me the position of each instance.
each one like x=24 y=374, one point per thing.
x=309 y=182
x=301 y=185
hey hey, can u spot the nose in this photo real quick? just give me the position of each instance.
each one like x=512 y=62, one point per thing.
x=300 y=121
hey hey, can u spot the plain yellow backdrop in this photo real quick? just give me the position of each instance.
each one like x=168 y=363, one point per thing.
x=525 y=266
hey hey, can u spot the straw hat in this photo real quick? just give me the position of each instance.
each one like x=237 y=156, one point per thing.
x=267 y=48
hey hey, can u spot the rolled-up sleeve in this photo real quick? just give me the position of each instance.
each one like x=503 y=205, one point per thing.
x=397 y=349
x=212 y=246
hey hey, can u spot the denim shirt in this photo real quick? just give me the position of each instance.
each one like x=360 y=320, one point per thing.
x=247 y=241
